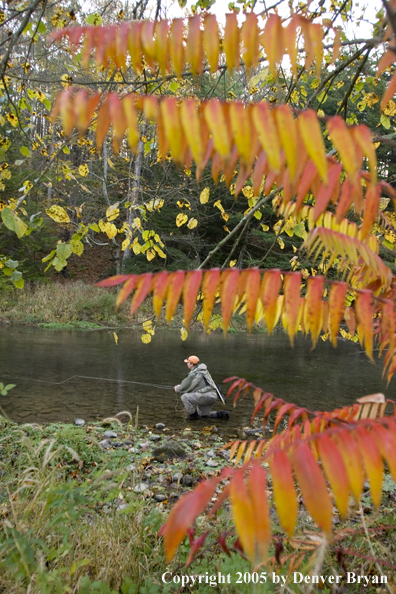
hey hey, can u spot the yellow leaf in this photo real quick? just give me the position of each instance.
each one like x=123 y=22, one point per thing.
x=192 y=223
x=77 y=246
x=258 y=215
x=83 y=170
x=204 y=197
x=159 y=251
x=136 y=248
x=148 y=327
x=150 y=254
x=58 y=214
x=146 y=338
x=183 y=333
x=219 y=205
x=181 y=219
x=112 y=212
x=226 y=216
x=110 y=163
x=264 y=227
x=281 y=243
x=125 y=244
x=115 y=337
x=232 y=263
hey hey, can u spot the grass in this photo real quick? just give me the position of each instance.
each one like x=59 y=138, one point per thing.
x=61 y=531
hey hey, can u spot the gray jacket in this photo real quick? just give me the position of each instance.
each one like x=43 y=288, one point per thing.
x=195 y=381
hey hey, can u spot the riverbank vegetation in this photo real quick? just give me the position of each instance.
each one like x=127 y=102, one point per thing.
x=81 y=513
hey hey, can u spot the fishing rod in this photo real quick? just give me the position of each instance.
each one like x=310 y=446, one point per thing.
x=104 y=379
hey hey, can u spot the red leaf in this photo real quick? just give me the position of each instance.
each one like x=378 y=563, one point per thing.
x=160 y=289
x=112 y=281
x=190 y=292
x=285 y=495
x=176 y=281
x=143 y=286
x=228 y=285
x=326 y=191
x=309 y=174
x=313 y=486
x=126 y=290
x=345 y=200
x=337 y=297
x=364 y=313
x=371 y=209
x=184 y=513
x=335 y=471
x=209 y=286
x=269 y=291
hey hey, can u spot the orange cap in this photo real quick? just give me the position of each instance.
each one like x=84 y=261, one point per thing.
x=193 y=359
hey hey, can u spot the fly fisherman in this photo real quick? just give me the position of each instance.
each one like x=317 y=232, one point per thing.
x=199 y=392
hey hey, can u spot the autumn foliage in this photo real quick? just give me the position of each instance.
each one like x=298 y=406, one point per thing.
x=289 y=155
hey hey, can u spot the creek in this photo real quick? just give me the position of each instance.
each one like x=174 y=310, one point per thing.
x=323 y=379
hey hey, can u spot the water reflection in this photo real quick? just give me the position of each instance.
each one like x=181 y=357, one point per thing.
x=324 y=379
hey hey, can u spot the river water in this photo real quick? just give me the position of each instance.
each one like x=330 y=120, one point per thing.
x=324 y=379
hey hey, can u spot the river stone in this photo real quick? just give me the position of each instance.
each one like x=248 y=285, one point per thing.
x=79 y=422
x=253 y=432
x=210 y=454
x=211 y=462
x=110 y=434
x=105 y=444
x=128 y=442
x=160 y=426
x=177 y=477
x=170 y=449
x=160 y=497
x=132 y=451
x=144 y=444
x=122 y=506
x=155 y=437
x=141 y=487
x=187 y=480
x=130 y=468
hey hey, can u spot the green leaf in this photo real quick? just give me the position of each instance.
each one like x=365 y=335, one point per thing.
x=49 y=256
x=7 y=271
x=42 y=28
x=16 y=276
x=300 y=230
x=11 y=263
x=66 y=150
x=94 y=19
x=174 y=86
x=13 y=222
x=63 y=251
x=388 y=244
x=47 y=103
x=94 y=227
x=25 y=151
x=385 y=121
x=59 y=263
x=19 y=284
x=9 y=386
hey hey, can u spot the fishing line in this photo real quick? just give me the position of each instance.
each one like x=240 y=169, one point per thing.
x=104 y=379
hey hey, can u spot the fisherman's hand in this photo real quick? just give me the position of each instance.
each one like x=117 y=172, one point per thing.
x=176 y=387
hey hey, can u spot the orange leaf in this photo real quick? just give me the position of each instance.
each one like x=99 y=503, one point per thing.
x=285 y=495
x=172 y=126
x=112 y=281
x=126 y=290
x=176 y=46
x=362 y=135
x=250 y=41
x=386 y=443
x=102 y=124
x=118 y=120
x=313 y=311
x=309 y=174
x=326 y=192
x=257 y=486
x=350 y=320
x=335 y=471
x=241 y=449
x=371 y=209
x=345 y=200
x=260 y=169
x=150 y=107
x=313 y=486
x=291 y=289
x=133 y=134
x=176 y=281
x=215 y=118
x=337 y=297
x=273 y=42
x=209 y=286
x=192 y=128
x=290 y=36
x=143 y=286
x=194 y=45
x=252 y=288
x=264 y=122
x=148 y=42
x=364 y=314
x=240 y=126
x=184 y=513
x=160 y=289
x=287 y=129
x=269 y=291
x=228 y=285
x=121 y=45
x=342 y=140
x=386 y=60
x=211 y=41
x=231 y=41
x=284 y=409
x=190 y=292
x=336 y=45
x=243 y=514
x=67 y=111
x=161 y=45
x=372 y=462
x=390 y=92
x=316 y=35
x=311 y=133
